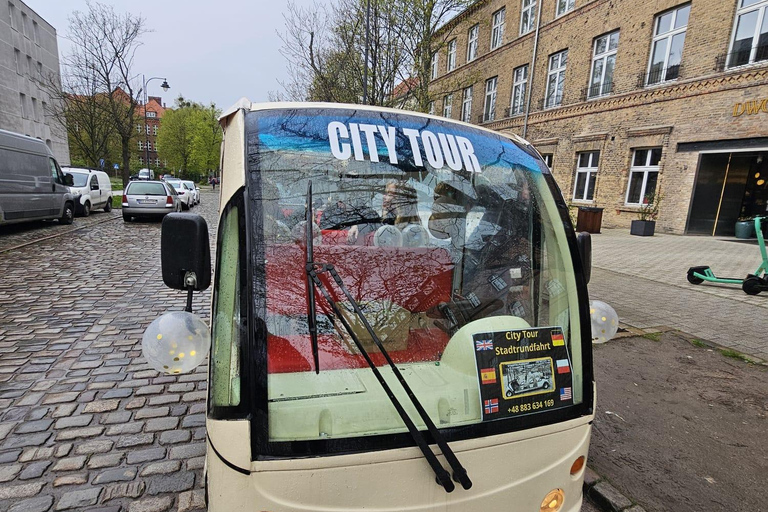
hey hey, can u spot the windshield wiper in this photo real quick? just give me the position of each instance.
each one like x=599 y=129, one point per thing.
x=312 y=317
x=313 y=270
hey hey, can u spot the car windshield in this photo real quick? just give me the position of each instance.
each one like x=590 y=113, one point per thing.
x=146 y=189
x=451 y=240
x=190 y=184
x=80 y=178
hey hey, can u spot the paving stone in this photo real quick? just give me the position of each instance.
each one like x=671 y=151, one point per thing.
x=124 y=490
x=195 y=463
x=70 y=463
x=188 y=451
x=158 y=424
x=76 y=433
x=175 y=436
x=195 y=420
x=108 y=460
x=36 y=454
x=20 y=491
x=29 y=427
x=181 y=387
x=133 y=427
x=191 y=500
x=117 y=393
x=139 y=456
x=58 y=398
x=178 y=410
x=9 y=472
x=78 y=499
x=40 y=504
x=10 y=456
x=161 y=468
x=63 y=450
x=116 y=417
x=175 y=483
x=76 y=479
x=96 y=446
x=102 y=406
x=152 y=412
x=25 y=440
x=194 y=396
x=135 y=440
x=64 y=410
x=37 y=414
x=35 y=469
x=149 y=390
x=164 y=399
x=115 y=475
x=151 y=505
x=136 y=403
x=81 y=420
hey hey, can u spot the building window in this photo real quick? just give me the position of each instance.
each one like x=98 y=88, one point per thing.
x=141 y=145
x=586 y=172
x=12 y=12
x=35 y=111
x=448 y=105
x=151 y=114
x=563 y=6
x=489 y=109
x=44 y=109
x=603 y=63
x=23 y=102
x=138 y=128
x=24 y=24
x=466 y=105
x=141 y=160
x=497 y=28
x=36 y=32
x=435 y=61
x=750 y=38
x=451 y=64
x=527 y=16
x=547 y=159
x=519 y=84
x=643 y=176
x=472 y=42
x=29 y=66
x=431 y=109
x=39 y=69
x=17 y=58
x=555 y=79
x=149 y=146
x=668 y=39
x=154 y=130
x=146 y=126
x=157 y=162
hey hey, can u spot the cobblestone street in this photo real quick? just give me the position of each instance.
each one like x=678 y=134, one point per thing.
x=85 y=424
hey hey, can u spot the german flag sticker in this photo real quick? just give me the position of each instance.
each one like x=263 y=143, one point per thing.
x=557 y=339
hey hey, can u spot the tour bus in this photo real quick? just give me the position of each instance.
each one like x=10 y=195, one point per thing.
x=399 y=317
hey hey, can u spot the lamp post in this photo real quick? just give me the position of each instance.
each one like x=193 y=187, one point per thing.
x=165 y=88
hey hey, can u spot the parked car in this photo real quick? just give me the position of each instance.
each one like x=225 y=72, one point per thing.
x=185 y=195
x=92 y=190
x=195 y=190
x=146 y=174
x=32 y=185
x=149 y=199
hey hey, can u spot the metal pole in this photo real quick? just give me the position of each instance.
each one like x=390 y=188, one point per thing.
x=533 y=68
x=367 y=35
x=146 y=134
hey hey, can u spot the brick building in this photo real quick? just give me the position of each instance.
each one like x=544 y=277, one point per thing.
x=146 y=129
x=625 y=100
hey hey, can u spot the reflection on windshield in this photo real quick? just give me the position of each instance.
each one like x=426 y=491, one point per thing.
x=79 y=179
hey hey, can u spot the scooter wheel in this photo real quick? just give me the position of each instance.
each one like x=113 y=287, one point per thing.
x=752 y=285
x=692 y=278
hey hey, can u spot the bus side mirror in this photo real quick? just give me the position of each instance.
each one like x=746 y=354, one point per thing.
x=584 y=241
x=185 y=252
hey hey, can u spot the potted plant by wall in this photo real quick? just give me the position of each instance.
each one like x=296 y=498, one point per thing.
x=745 y=227
x=645 y=225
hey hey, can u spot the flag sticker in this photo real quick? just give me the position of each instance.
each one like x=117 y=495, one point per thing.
x=557 y=339
x=565 y=394
x=563 y=366
x=491 y=406
x=484 y=344
x=488 y=375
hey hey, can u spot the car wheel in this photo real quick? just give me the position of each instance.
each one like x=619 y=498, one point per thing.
x=108 y=206
x=126 y=218
x=184 y=206
x=69 y=214
x=87 y=209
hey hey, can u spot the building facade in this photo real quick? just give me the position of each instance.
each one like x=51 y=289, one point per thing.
x=147 y=128
x=629 y=102
x=28 y=51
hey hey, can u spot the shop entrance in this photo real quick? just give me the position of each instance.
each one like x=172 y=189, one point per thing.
x=729 y=186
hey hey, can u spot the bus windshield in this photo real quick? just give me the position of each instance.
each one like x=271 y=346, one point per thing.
x=452 y=241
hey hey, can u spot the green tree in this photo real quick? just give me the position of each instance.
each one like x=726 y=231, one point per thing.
x=175 y=137
x=206 y=140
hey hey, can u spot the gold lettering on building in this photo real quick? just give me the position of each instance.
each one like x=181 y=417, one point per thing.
x=750 y=107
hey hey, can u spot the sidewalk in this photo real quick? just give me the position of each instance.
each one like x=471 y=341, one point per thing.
x=644 y=280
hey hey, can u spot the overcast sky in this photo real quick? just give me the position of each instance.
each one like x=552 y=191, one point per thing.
x=216 y=51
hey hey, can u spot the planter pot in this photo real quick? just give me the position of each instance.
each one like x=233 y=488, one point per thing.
x=745 y=229
x=642 y=227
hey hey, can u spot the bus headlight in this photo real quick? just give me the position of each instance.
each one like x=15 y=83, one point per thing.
x=553 y=501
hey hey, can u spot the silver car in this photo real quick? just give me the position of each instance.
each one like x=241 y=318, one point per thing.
x=195 y=190
x=149 y=199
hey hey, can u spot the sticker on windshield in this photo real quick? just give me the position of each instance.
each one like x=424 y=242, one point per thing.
x=522 y=371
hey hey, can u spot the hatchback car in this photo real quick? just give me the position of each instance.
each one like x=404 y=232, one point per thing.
x=185 y=195
x=149 y=199
x=195 y=190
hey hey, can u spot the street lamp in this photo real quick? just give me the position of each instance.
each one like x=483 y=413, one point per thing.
x=164 y=86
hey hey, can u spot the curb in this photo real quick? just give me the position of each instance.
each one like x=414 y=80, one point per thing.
x=605 y=496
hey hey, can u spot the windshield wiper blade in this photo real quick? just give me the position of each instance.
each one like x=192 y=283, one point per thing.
x=309 y=264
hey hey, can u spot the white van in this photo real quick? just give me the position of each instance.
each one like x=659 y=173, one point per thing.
x=146 y=174
x=32 y=185
x=92 y=190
